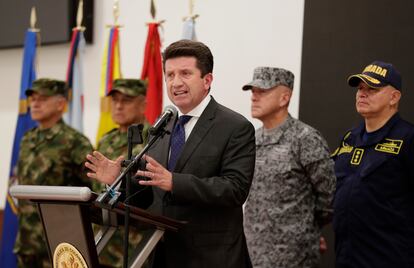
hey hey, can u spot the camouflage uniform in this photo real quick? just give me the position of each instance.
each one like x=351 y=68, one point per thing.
x=53 y=156
x=114 y=144
x=290 y=196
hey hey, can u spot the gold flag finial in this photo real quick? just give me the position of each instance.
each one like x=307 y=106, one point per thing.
x=33 y=20
x=153 y=10
x=79 y=17
x=116 y=12
x=191 y=15
x=191 y=7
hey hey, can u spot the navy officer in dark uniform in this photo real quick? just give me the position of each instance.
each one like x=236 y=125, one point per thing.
x=374 y=200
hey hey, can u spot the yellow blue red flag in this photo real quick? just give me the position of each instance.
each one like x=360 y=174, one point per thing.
x=111 y=69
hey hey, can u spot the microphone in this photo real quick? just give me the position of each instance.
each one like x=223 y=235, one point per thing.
x=162 y=121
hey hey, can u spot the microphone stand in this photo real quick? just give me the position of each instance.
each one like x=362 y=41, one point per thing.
x=134 y=137
x=109 y=198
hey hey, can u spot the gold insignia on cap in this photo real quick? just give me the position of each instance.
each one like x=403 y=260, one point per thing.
x=371 y=79
x=66 y=255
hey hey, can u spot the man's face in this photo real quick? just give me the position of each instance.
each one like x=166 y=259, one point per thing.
x=267 y=103
x=374 y=102
x=185 y=86
x=46 y=108
x=127 y=110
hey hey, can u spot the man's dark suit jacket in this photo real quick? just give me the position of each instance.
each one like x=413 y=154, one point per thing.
x=211 y=181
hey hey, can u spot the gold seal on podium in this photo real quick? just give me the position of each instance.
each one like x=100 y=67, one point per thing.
x=67 y=256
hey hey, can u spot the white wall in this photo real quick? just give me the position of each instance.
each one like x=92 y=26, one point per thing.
x=242 y=35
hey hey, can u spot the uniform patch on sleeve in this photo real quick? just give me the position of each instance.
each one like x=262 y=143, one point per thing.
x=357 y=156
x=390 y=146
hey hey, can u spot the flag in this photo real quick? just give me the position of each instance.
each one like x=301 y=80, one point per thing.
x=189 y=29
x=74 y=79
x=111 y=69
x=152 y=72
x=24 y=123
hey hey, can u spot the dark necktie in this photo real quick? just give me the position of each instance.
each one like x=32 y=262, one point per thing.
x=177 y=141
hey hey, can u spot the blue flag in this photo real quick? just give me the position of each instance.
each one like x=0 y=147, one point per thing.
x=24 y=123
x=189 y=29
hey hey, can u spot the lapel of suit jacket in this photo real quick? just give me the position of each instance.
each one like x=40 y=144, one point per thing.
x=204 y=123
x=163 y=148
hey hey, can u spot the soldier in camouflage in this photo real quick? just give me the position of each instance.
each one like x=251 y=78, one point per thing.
x=128 y=107
x=51 y=154
x=290 y=198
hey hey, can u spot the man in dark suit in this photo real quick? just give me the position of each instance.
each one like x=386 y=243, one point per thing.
x=206 y=181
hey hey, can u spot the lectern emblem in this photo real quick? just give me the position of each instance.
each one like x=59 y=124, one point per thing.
x=67 y=256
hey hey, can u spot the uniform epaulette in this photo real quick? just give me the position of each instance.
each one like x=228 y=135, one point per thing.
x=343 y=143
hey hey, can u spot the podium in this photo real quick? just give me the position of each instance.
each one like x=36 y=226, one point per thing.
x=67 y=214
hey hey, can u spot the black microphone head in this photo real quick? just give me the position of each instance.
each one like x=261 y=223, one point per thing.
x=170 y=109
x=165 y=117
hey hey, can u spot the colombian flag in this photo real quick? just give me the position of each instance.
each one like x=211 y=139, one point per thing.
x=111 y=69
x=24 y=123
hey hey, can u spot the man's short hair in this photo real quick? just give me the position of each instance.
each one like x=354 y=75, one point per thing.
x=188 y=48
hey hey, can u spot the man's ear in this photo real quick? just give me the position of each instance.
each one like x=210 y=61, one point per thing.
x=395 y=97
x=285 y=97
x=208 y=79
x=62 y=102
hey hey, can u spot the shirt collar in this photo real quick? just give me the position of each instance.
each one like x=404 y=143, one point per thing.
x=199 y=109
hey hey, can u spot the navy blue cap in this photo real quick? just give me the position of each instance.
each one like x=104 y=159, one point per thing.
x=377 y=75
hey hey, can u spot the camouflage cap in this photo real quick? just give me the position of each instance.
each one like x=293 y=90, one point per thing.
x=130 y=87
x=48 y=87
x=270 y=77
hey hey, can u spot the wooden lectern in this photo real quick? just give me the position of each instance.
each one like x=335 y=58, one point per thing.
x=67 y=214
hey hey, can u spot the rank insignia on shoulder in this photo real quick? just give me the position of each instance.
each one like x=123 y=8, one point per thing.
x=357 y=156
x=389 y=146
